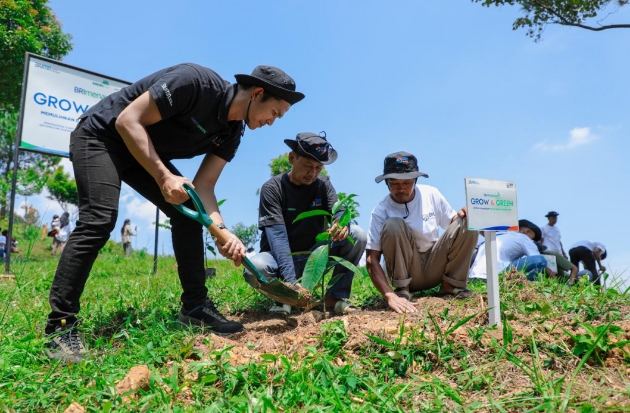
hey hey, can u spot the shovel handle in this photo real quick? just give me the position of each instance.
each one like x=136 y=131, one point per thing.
x=200 y=215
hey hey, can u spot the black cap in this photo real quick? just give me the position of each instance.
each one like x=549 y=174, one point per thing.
x=313 y=146
x=524 y=223
x=400 y=165
x=274 y=81
x=551 y=214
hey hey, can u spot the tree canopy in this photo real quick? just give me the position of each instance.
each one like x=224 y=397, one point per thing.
x=26 y=26
x=586 y=14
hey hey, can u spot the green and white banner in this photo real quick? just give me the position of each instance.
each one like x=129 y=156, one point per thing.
x=54 y=96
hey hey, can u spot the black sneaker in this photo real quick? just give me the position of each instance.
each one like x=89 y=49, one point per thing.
x=207 y=316
x=65 y=343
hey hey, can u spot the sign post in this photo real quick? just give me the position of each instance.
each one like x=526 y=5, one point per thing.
x=491 y=206
x=54 y=96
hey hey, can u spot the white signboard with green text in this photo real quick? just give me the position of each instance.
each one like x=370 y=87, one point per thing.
x=55 y=95
x=491 y=206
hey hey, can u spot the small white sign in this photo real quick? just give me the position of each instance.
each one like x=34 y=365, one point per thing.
x=491 y=205
x=551 y=263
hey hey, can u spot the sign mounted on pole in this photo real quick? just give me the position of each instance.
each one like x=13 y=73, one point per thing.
x=55 y=96
x=491 y=207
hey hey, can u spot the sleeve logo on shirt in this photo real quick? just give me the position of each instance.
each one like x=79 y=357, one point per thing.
x=317 y=202
x=218 y=140
x=167 y=93
x=426 y=217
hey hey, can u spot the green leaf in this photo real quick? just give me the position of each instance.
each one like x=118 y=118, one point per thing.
x=314 y=213
x=322 y=236
x=301 y=253
x=221 y=202
x=346 y=264
x=345 y=218
x=380 y=341
x=315 y=267
x=336 y=206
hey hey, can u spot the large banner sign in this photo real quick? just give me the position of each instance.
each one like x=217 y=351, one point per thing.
x=491 y=205
x=54 y=96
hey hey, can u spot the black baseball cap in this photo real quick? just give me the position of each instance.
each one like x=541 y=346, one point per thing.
x=313 y=146
x=551 y=214
x=400 y=165
x=274 y=81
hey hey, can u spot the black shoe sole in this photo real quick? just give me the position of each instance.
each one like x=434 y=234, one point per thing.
x=189 y=321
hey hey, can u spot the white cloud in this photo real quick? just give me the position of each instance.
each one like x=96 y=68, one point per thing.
x=137 y=209
x=577 y=137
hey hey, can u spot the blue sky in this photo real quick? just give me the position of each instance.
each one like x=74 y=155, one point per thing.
x=447 y=81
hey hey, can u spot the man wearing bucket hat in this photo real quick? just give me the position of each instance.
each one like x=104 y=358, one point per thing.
x=131 y=136
x=514 y=249
x=404 y=229
x=282 y=199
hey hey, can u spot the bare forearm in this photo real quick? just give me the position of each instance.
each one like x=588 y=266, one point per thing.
x=379 y=279
x=139 y=144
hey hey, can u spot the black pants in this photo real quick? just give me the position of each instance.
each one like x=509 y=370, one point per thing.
x=587 y=257
x=99 y=167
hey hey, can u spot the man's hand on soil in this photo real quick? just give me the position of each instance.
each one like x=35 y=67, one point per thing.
x=399 y=304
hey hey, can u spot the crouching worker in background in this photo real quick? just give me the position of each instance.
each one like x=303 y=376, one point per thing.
x=282 y=199
x=514 y=249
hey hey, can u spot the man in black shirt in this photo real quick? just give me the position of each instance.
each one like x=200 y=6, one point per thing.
x=282 y=199
x=131 y=136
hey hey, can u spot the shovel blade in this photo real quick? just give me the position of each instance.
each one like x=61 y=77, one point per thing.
x=277 y=291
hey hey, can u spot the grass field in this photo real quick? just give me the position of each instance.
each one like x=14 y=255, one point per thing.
x=559 y=348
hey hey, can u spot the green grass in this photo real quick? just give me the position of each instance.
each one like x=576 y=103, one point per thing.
x=446 y=360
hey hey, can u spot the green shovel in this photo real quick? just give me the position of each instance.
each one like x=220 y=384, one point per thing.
x=272 y=288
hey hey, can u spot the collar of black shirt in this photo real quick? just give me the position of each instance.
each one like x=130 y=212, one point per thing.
x=224 y=106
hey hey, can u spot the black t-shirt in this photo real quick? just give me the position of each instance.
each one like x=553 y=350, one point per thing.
x=281 y=202
x=194 y=102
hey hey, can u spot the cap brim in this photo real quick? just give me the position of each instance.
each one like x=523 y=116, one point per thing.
x=530 y=225
x=284 y=94
x=406 y=175
x=295 y=147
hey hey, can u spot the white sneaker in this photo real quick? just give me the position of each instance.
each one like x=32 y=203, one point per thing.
x=284 y=309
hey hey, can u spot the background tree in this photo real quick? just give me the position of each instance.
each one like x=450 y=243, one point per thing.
x=25 y=26
x=577 y=13
x=248 y=235
x=63 y=189
x=33 y=169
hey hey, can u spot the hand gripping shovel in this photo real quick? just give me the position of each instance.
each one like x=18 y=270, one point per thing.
x=272 y=288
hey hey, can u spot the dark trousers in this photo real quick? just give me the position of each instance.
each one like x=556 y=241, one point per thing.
x=587 y=257
x=99 y=167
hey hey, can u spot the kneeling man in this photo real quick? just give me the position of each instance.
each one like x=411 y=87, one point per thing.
x=282 y=199
x=404 y=229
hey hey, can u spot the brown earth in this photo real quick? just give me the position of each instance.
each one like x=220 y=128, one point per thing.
x=267 y=334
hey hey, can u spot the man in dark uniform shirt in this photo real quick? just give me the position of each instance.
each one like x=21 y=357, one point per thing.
x=282 y=199
x=132 y=135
